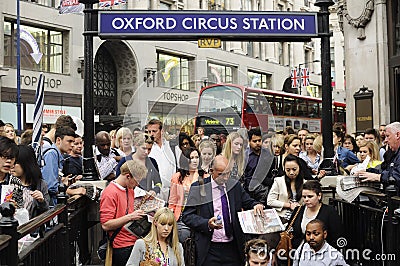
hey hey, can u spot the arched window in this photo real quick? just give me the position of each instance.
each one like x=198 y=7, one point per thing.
x=104 y=83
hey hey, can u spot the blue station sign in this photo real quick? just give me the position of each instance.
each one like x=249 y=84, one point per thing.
x=191 y=25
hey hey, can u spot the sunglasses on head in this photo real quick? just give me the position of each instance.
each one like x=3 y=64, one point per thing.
x=149 y=138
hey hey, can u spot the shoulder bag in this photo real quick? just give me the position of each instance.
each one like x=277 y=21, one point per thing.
x=147 y=259
x=285 y=243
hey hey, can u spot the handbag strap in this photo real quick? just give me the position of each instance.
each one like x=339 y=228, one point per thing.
x=294 y=218
x=111 y=239
x=147 y=254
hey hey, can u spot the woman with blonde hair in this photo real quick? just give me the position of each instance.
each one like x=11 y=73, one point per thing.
x=234 y=151
x=143 y=144
x=9 y=132
x=112 y=136
x=207 y=153
x=124 y=141
x=196 y=140
x=369 y=148
x=276 y=146
x=161 y=245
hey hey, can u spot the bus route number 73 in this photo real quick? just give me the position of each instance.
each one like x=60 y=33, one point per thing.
x=229 y=121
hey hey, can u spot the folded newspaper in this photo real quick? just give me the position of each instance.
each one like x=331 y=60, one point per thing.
x=255 y=224
x=350 y=187
x=146 y=203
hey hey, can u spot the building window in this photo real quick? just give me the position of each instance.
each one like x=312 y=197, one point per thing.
x=50 y=44
x=50 y=3
x=259 y=80
x=219 y=73
x=332 y=51
x=173 y=71
x=104 y=83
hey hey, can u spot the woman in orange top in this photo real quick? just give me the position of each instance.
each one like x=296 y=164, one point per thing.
x=188 y=173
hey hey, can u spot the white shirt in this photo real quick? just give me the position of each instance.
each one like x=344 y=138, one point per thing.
x=107 y=164
x=327 y=255
x=165 y=160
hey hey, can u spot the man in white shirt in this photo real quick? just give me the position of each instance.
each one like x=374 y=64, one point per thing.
x=316 y=251
x=107 y=158
x=162 y=153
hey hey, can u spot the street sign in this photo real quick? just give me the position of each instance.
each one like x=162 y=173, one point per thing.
x=209 y=43
x=192 y=25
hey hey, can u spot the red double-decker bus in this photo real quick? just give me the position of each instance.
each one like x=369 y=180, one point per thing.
x=223 y=108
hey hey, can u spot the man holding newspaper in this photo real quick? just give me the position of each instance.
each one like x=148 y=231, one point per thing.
x=211 y=211
x=392 y=172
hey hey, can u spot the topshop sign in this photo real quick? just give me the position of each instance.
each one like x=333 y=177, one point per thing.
x=192 y=25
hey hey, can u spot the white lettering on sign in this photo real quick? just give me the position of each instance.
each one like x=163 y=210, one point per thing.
x=176 y=97
x=211 y=23
x=48 y=82
x=147 y=23
x=273 y=23
x=202 y=23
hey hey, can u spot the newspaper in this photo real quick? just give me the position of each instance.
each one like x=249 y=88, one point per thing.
x=143 y=201
x=254 y=224
x=6 y=193
x=146 y=203
x=350 y=187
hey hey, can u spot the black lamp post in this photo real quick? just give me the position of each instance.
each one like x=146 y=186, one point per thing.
x=90 y=30
x=325 y=34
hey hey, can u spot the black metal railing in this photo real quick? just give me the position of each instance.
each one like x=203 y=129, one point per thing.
x=371 y=229
x=62 y=234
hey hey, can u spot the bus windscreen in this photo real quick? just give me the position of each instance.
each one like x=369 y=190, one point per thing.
x=221 y=99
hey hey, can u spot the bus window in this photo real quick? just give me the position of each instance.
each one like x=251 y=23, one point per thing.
x=271 y=101
x=252 y=102
x=224 y=99
x=279 y=105
x=313 y=110
x=263 y=104
x=319 y=109
x=289 y=106
x=301 y=108
x=340 y=114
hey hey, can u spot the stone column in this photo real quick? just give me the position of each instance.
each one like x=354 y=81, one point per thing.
x=366 y=57
x=236 y=47
x=268 y=48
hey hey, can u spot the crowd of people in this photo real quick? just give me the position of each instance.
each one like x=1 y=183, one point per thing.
x=205 y=181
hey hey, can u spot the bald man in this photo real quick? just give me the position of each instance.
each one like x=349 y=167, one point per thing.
x=211 y=211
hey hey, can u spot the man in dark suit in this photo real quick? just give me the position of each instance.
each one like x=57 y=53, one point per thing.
x=213 y=216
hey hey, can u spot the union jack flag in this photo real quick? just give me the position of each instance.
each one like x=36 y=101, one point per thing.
x=305 y=77
x=110 y=3
x=295 y=78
